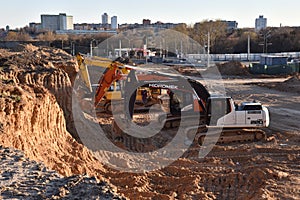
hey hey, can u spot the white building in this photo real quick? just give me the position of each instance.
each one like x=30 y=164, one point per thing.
x=114 y=22
x=57 y=22
x=70 y=24
x=260 y=23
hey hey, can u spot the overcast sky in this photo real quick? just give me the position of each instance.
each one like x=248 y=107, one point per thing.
x=18 y=13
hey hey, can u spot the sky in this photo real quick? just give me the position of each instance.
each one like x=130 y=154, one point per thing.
x=19 y=13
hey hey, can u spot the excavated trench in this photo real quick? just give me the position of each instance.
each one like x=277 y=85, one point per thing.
x=36 y=118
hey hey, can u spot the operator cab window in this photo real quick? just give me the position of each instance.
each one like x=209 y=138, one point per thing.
x=219 y=106
x=252 y=107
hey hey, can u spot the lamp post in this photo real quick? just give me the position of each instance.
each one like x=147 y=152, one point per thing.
x=91 y=47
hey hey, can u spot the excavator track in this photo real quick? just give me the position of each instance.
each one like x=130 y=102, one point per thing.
x=228 y=136
x=199 y=134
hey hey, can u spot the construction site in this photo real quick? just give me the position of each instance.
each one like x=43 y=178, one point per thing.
x=49 y=150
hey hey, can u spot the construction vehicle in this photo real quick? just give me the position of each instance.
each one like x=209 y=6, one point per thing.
x=201 y=111
x=239 y=123
x=109 y=87
x=187 y=102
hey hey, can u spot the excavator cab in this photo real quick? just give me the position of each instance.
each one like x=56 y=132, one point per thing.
x=217 y=107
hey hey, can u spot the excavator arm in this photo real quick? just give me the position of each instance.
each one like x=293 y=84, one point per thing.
x=113 y=72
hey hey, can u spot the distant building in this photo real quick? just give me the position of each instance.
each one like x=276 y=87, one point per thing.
x=114 y=22
x=84 y=32
x=86 y=26
x=146 y=22
x=105 y=19
x=57 y=22
x=260 y=23
x=70 y=24
x=231 y=25
x=35 y=25
x=7 y=28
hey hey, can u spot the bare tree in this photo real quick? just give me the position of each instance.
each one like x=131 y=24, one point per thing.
x=17 y=36
x=48 y=36
x=216 y=29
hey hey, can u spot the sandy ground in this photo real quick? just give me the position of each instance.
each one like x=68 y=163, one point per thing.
x=21 y=178
x=254 y=170
x=284 y=106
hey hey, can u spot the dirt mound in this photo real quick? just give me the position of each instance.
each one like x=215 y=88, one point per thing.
x=187 y=70
x=292 y=84
x=231 y=68
x=50 y=68
x=295 y=79
x=32 y=121
x=4 y=53
x=35 y=104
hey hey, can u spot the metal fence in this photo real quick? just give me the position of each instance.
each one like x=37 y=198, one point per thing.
x=240 y=57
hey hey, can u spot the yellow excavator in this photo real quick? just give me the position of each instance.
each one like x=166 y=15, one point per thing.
x=109 y=87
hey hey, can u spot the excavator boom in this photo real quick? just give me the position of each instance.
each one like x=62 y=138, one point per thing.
x=112 y=73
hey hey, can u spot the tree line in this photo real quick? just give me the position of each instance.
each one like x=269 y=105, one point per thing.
x=222 y=39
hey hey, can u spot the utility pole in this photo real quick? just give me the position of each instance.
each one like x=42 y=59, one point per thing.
x=208 y=47
x=120 y=47
x=181 y=49
x=248 y=48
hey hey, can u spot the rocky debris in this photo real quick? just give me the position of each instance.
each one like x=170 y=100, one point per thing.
x=21 y=178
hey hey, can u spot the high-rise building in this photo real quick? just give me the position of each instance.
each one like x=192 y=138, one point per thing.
x=260 y=23
x=114 y=22
x=105 y=19
x=57 y=22
x=70 y=24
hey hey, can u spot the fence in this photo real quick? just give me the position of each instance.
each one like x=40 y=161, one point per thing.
x=239 y=57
